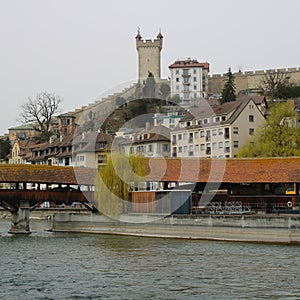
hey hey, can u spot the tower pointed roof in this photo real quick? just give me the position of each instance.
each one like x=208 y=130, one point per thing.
x=138 y=36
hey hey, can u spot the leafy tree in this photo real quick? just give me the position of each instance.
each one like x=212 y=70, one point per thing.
x=175 y=99
x=40 y=110
x=228 y=91
x=275 y=82
x=4 y=148
x=114 y=181
x=279 y=137
x=288 y=92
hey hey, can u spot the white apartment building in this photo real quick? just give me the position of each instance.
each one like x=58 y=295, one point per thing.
x=216 y=132
x=189 y=79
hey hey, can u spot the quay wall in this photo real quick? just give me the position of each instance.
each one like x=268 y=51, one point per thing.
x=238 y=228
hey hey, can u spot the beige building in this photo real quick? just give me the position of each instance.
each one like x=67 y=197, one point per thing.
x=91 y=149
x=216 y=131
x=154 y=142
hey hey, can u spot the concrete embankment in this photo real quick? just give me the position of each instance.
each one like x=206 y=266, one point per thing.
x=242 y=228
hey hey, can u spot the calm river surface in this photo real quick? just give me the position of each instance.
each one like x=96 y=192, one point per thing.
x=49 y=265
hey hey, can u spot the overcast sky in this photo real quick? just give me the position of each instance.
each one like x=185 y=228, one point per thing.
x=80 y=49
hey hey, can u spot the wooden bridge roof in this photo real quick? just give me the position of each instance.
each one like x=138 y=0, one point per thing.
x=46 y=174
x=244 y=170
x=253 y=170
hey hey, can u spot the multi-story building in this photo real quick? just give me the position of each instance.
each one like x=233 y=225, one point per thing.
x=216 y=131
x=189 y=79
x=91 y=149
x=154 y=142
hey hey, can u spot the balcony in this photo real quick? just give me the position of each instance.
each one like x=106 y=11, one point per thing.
x=174 y=142
x=191 y=140
x=208 y=138
x=226 y=135
x=174 y=154
x=191 y=153
x=227 y=149
x=208 y=151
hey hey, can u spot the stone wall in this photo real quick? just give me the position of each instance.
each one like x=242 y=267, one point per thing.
x=249 y=79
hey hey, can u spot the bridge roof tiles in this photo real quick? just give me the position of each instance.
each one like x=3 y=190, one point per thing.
x=46 y=174
x=245 y=170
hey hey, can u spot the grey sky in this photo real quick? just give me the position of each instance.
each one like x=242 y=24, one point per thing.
x=79 y=49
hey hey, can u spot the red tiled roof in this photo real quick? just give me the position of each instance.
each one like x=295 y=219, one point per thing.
x=189 y=63
x=252 y=170
x=46 y=174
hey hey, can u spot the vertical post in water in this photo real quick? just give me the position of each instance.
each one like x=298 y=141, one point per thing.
x=20 y=218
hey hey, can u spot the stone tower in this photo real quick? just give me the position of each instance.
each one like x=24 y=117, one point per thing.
x=149 y=56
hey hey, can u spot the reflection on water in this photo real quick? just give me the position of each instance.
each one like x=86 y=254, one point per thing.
x=48 y=265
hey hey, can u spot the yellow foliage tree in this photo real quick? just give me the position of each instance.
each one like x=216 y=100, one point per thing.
x=114 y=181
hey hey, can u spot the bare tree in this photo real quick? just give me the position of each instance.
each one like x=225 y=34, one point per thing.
x=274 y=82
x=40 y=110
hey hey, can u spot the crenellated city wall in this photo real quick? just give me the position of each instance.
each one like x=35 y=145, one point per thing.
x=250 y=80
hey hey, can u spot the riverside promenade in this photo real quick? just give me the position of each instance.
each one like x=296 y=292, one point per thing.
x=275 y=229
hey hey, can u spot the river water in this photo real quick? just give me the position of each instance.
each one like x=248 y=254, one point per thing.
x=46 y=265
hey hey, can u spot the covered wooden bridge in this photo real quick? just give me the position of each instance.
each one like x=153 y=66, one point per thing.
x=25 y=187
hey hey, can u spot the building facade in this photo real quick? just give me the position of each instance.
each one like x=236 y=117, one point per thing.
x=217 y=132
x=189 y=79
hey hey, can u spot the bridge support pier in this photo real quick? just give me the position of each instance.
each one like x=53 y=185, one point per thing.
x=20 y=218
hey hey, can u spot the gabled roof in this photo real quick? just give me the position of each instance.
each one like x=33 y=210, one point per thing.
x=157 y=133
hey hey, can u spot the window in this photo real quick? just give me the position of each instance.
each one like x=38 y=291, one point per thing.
x=220 y=131
x=202 y=133
x=251 y=131
x=150 y=148
x=227 y=147
x=220 y=145
x=186 y=88
x=195 y=79
x=177 y=79
x=166 y=147
x=214 y=146
x=195 y=95
x=101 y=158
x=214 y=132
x=205 y=121
x=191 y=150
x=196 y=135
x=185 y=72
x=185 y=149
x=185 y=79
x=177 y=72
x=195 y=87
x=251 y=106
x=202 y=147
x=217 y=119
x=195 y=71
x=179 y=136
x=185 y=136
x=196 y=148
x=80 y=158
x=180 y=149
x=235 y=144
x=186 y=95
x=235 y=130
x=223 y=118
x=251 y=118
x=177 y=87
